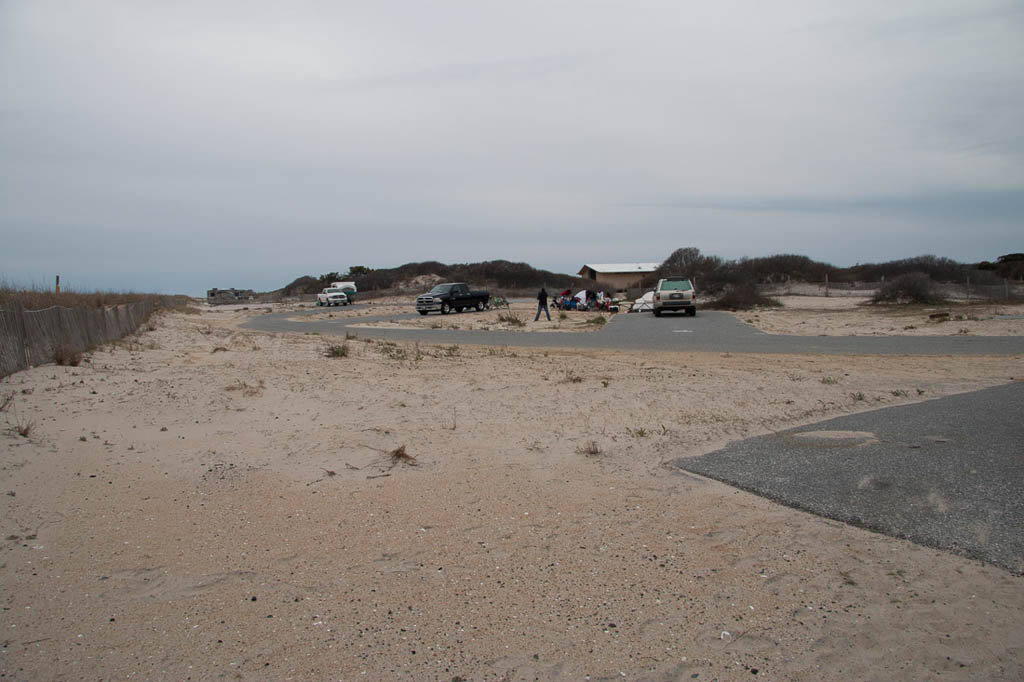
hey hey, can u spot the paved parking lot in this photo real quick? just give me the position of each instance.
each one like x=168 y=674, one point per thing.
x=708 y=331
x=947 y=473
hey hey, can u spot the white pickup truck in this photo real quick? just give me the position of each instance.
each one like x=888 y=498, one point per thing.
x=332 y=296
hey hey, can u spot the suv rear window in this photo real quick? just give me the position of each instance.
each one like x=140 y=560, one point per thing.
x=676 y=285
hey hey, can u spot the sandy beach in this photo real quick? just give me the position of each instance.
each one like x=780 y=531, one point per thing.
x=204 y=502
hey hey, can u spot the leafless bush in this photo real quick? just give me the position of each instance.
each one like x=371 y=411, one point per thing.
x=742 y=297
x=590 y=449
x=914 y=287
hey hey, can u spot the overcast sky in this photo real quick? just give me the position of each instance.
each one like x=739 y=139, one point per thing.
x=176 y=146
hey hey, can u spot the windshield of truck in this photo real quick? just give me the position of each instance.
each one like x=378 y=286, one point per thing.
x=442 y=289
x=676 y=285
x=333 y=291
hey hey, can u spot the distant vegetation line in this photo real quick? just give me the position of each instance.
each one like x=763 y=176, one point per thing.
x=36 y=298
x=713 y=272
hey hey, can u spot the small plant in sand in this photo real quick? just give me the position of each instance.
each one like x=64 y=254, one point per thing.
x=590 y=449
x=392 y=350
x=830 y=380
x=449 y=351
x=6 y=401
x=857 y=396
x=571 y=377
x=24 y=427
x=65 y=355
x=639 y=432
x=596 y=320
x=900 y=393
x=337 y=351
x=248 y=390
x=349 y=336
x=563 y=315
x=219 y=349
x=400 y=456
x=605 y=382
x=511 y=319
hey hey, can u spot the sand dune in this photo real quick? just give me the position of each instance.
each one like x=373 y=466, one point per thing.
x=203 y=502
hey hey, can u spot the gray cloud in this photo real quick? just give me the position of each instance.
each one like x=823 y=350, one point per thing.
x=180 y=145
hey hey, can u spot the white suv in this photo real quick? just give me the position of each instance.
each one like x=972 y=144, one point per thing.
x=674 y=293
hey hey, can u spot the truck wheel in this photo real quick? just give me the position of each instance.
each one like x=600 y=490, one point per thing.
x=693 y=312
x=657 y=312
x=445 y=308
x=423 y=312
x=458 y=309
x=479 y=306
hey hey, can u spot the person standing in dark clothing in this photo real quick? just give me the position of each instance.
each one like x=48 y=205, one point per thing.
x=542 y=304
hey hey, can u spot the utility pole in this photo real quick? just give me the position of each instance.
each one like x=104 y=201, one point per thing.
x=58 y=284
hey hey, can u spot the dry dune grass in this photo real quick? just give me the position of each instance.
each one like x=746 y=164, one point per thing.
x=40 y=298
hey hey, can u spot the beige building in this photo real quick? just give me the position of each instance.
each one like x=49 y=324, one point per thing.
x=621 y=276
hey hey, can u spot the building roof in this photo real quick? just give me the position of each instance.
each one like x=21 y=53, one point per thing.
x=615 y=268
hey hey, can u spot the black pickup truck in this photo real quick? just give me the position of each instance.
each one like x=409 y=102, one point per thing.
x=452 y=296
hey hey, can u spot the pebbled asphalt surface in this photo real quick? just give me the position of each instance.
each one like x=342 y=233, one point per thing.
x=947 y=473
x=708 y=331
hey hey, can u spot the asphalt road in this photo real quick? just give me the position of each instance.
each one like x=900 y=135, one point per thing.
x=708 y=331
x=947 y=473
